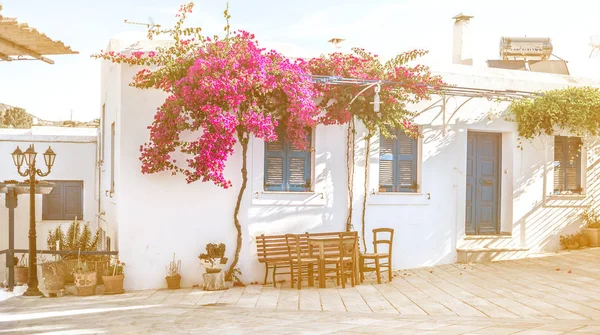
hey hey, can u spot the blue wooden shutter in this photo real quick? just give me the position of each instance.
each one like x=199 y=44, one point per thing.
x=298 y=167
x=52 y=204
x=72 y=200
x=387 y=164
x=274 y=163
x=406 y=169
x=559 y=163
x=65 y=202
x=567 y=164
x=573 y=165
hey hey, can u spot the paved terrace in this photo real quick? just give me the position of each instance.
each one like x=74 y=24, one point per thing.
x=547 y=295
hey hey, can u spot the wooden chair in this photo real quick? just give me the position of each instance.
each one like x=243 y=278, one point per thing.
x=273 y=251
x=299 y=258
x=377 y=256
x=345 y=262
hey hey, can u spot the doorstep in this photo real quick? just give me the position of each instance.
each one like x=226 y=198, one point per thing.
x=478 y=255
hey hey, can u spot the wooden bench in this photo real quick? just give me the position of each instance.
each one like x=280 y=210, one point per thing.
x=272 y=250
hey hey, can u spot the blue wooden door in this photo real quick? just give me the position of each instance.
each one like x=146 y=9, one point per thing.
x=483 y=184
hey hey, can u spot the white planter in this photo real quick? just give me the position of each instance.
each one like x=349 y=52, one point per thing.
x=214 y=267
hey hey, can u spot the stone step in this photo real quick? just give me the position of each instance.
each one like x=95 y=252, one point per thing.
x=479 y=255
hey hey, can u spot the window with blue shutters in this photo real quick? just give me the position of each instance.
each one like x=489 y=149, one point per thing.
x=398 y=163
x=65 y=202
x=567 y=165
x=287 y=168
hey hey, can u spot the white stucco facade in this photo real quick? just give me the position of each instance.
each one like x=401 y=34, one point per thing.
x=75 y=150
x=159 y=214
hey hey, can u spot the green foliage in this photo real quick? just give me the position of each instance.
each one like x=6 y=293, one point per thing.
x=571 y=240
x=236 y=277
x=591 y=219
x=574 y=109
x=111 y=271
x=16 y=117
x=78 y=237
x=22 y=261
x=214 y=251
x=81 y=267
x=55 y=236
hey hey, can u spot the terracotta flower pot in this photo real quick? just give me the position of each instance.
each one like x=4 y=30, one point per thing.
x=593 y=235
x=21 y=275
x=85 y=283
x=583 y=240
x=113 y=284
x=173 y=282
x=54 y=277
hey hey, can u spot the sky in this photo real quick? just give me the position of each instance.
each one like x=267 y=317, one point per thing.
x=296 y=28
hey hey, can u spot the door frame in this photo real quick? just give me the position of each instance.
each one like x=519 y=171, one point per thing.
x=499 y=188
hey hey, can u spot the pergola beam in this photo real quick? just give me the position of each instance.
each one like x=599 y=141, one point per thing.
x=25 y=50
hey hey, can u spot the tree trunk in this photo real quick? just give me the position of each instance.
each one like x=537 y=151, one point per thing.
x=350 y=170
x=236 y=213
x=365 y=190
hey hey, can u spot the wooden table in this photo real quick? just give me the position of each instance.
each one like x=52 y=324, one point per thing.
x=321 y=242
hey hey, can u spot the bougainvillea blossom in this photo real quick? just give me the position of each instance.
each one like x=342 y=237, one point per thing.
x=230 y=86
x=401 y=85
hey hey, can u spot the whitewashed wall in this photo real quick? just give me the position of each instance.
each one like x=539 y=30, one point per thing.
x=75 y=160
x=159 y=214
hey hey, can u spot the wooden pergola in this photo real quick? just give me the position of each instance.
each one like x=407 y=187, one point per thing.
x=19 y=41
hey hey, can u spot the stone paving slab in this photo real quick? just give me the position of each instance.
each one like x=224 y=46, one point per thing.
x=550 y=295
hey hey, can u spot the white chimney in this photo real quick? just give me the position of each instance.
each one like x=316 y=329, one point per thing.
x=461 y=44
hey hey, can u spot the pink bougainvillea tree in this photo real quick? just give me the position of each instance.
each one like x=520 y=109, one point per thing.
x=226 y=90
x=400 y=86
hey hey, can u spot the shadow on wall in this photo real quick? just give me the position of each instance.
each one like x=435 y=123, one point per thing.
x=425 y=230
x=542 y=226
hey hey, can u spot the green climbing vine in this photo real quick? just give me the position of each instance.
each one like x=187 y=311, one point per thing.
x=573 y=109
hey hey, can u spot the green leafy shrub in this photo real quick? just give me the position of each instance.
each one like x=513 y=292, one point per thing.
x=573 y=109
x=591 y=219
x=78 y=237
x=569 y=240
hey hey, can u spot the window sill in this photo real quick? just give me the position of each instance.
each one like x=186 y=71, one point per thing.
x=398 y=193
x=399 y=199
x=566 y=201
x=278 y=198
x=566 y=197
x=58 y=221
x=506 y=236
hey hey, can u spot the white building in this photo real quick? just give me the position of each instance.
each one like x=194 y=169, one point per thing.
x=74 y=173
x=476 y=194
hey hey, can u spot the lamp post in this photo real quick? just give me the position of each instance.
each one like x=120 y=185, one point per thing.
x=29 y=157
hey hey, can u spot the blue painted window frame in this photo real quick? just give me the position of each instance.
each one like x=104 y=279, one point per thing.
x=287 y=155
x=397 y=157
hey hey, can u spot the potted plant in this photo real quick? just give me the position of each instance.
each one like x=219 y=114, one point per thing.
x=592 y=226
x=173 y=274
x=21 y=271
x=583 y=239
x=214 y=259
x=85 y=280
x=53 y=272
x=569 y=242
x=77 y=238
x=114 y=276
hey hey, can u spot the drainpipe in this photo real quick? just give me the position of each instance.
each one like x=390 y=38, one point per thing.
x=98 y=181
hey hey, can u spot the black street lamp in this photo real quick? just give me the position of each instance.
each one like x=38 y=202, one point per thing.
x=29 y=157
